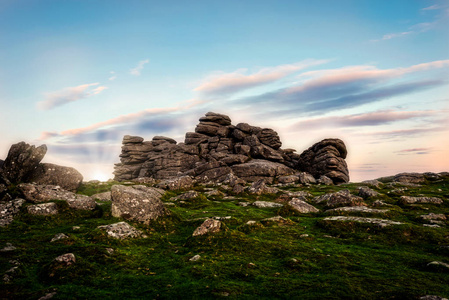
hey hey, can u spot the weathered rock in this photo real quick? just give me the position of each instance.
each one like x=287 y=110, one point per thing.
x=8 y=248
x=289 y=179
x=438 y=263
x=195 y=258
x=326 y=158
x=270 y=138
x=121 y=231
x=179 y=183
x=357 y=209
x=216 y=118
x=432 y=297
x=238 y=189
x=306 y=178
x=49 y=174
x=325 y=180
x=22 y=159
x=59 y=236
x=259 y=187
x=374 y=183
x=188 y=195
x=379 y=222
x=432 y=216
x=261 y=169
x=266 y=204
x=341 y=198
x=66 y=259
x=420 y=200
x=302 y=206
x=209 y=226
x=128 y=139
x=138 y=203
x=105 y=196
x=366 y=193
x=164 y=138
x=82 y=202
x=8 y=210
x=380 y=203
x=43 y=209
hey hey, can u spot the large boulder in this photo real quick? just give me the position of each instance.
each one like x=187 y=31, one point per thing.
x=261 y=169
x=22 y=159
x=326 y=157
x=137 y=203
x=8 y=210
x=49 y=174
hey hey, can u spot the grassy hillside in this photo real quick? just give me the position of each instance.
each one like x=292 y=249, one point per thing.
x=301 y=257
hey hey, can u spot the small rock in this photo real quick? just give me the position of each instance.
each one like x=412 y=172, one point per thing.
x=195 y=258
x=304 y=235
x=251 y=222
x=432 y=297
x=59 y=236
x=365 y=192
x=420 y=200
x=307 y=179
x=110 y=250
x=259 y=187
x=325 y=180
x=238 y=189
x=302 y=206
x=76 y=228
x=82 y=202
x=438 y=263
x=275 y=219
x=121 y=230
x=359 y=209
x=266 y=204
x=380 y=222
x=8 y=248
x=66 y=259
x=43 y=209
x=244 y=204
x=341 y=198
x=188 y=195
x=374 y=183
x=106 y=196
x=432 y=216
x=223 y=218
x=208 y=226
x=48 y=296
x=215 y=193
x=431 y=225
x=378 y=203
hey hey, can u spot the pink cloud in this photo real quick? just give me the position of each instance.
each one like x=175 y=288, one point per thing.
x=227 y=83
x=69 y=94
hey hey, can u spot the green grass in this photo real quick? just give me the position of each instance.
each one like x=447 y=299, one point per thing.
x=264 y=261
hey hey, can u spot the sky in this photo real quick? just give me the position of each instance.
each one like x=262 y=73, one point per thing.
x=79 y=75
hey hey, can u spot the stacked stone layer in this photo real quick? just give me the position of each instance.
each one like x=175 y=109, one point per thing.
x=218 y=148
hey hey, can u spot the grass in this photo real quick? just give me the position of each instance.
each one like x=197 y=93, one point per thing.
x=305 y=257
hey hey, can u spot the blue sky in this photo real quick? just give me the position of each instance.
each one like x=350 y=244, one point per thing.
x=78 y=75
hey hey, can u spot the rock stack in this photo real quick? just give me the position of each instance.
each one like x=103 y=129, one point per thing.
x=217 y=148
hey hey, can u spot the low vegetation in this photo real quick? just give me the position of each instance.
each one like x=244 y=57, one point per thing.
x=302 y=256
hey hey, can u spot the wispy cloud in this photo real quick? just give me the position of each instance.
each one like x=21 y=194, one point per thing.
x=69 y=94
x=113 y=76
x=432 y=7
x=138 y=69
x=414 y=151
x=239 y=80
x=364 y=119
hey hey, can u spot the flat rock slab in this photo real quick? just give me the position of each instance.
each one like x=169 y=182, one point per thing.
x=43 y=209
x=432 y=216
x=379 y=222
x=50 y=174
x=420 y=200
x=361 y=209
x=106 y=196
x=340 y=198
x=121 y=231
x=266 y=204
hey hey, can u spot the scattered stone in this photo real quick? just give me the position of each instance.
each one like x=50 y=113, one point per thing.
x=276 y=219
x=22 y=159
x=340 y=198
x=251 y=222
x=66 y=259
x=365 y=192
x=8 y=248
x=374 y=183
x=188 y=195
x=259 y=187
x=50 y=174
x=358 y=209
x=289 y=179
x=307 y=179
x=431 y=225
x=420 y=200
x=380 y=222
x=195 y=258
x=266 y=204
x=59 y=236
x=432 y=297
x=325 y=180
x=300 y=194
x=209 y=226
x=261 y=169
x=438 y=263
x=302 y=206
x=105 y=196
x=43 y=209
x=304 y=235
x=82 y=202
x=76 y=228
x=215 y=193
x=48 y=296
x=179 y=183
x=378 y=203
x=110 y=251
x=8 y=210
x=121 y=231
x=244 y=204
x=432 y=216
x=138 y=203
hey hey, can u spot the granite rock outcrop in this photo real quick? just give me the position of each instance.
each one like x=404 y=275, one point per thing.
x=217 y=148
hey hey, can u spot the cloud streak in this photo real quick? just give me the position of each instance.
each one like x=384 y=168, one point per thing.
x=69 y=94
x=237 y=81
x=138 y=69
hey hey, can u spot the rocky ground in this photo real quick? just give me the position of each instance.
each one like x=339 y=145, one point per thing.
x=379 y=239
